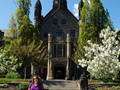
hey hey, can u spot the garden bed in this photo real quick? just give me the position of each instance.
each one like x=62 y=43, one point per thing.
x=7 y=86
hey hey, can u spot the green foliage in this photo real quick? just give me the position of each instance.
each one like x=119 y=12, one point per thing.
x=110 y=80
x=24 y=7
x=18 y=18
x=115 y=88
x=3 y=85
x=23 y=86
x=8 y=62
x=79 y=52
x=23 y=37
x=23 y=51
x=8 y=80
x=31 y=52
x=26 y=30
x=13 y=75
x=12 y=33
x=93 y=19
x=107 y=88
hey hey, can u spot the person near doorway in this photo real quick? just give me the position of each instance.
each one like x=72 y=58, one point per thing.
x=36 y=83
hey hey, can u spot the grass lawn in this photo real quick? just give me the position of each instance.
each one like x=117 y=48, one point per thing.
x=13 y=84
x=8 y=80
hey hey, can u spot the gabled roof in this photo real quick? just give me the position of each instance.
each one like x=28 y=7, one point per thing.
x=54 y=10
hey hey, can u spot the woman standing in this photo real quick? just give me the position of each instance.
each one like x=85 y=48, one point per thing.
x=36 y=83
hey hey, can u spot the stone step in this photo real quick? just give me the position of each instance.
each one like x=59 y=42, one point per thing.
x=61 y=89
x=60 y=85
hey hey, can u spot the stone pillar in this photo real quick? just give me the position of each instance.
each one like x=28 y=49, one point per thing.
x=49 y=63
x=68 y=70
x=32 y=69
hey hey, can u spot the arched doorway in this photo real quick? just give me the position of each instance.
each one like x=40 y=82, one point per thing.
x=59 y=72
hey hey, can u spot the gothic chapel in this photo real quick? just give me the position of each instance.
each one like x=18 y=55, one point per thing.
x=59 y=30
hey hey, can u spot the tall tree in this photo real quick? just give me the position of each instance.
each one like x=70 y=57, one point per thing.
x=26 y=29
x=93 y=19
x=27 y=47
x=20 y=24
x=13 y=31
x=23 y=8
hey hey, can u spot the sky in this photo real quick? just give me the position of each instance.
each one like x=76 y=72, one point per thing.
x=8 y=7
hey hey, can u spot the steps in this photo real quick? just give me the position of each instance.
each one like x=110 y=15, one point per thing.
x=60 y=85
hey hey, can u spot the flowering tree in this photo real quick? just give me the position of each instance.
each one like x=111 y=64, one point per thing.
x=102 y=59
x=8 y=63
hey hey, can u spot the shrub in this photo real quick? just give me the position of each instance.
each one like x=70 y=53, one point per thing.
x=106 y=88
x=23 y=86
x=3 y=85
x=13 y=75
x=110 y=80
x=115 y=88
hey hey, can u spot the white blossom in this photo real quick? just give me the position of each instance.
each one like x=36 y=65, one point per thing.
x=102 y=59
x=8 y=63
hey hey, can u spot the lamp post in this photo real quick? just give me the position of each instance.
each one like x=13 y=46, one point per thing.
x=77 y=72
x=83 y=79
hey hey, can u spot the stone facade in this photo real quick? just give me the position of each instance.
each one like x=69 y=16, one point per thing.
x=1 y=38
x=59 y=30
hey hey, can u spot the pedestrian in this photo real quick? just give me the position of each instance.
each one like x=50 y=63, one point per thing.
x=36 y=83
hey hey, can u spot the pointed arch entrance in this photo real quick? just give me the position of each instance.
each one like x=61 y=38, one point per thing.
x=59 y=72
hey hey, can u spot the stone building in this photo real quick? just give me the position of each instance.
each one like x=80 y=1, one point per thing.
x=1 y=38
x=59 y=30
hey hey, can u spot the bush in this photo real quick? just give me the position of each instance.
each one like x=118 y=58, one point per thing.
x=13 y=75
x=23 y=86
x=110 y=80
x=4 y=80
x=115 y=88
x=107 y=88
x=8 y=80
x=3 y=85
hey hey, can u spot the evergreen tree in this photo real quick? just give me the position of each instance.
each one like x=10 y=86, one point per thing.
x=23 y=8
x=26 y=29
x=93 y=19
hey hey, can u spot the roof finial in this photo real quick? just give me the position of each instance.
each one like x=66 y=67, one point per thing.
x=59 y=3
x=37 y=13
x=80 y=7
